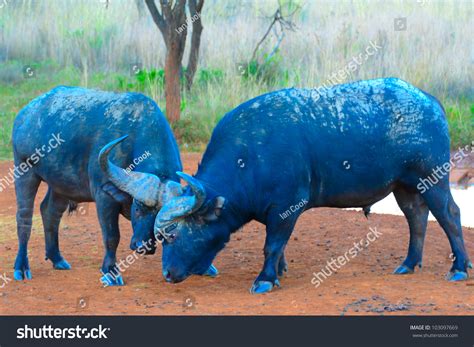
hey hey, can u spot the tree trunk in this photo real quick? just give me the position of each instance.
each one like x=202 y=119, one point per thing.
x=172 y=83
x=195 y=13
x=172 y=24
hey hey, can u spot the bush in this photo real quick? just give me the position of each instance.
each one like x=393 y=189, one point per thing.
x=460 y=116
x=191 y=133
x=270 y=72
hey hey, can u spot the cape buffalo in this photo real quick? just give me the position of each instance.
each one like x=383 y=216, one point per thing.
x=57 y=139
x=346 y=146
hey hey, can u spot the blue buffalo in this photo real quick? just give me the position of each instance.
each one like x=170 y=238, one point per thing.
x=57 y=139
x=346 y=146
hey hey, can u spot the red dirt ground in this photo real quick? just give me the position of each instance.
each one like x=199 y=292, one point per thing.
x=364 y=286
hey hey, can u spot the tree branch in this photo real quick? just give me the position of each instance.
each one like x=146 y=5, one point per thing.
x=199 y=6
x=195 y=8
x=166 y=9
x=180 y=11
x=275 y=19
x=283 y=21
x=157 y=17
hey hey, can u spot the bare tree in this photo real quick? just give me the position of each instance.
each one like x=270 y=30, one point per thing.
x=284 y=22
x=173 y=25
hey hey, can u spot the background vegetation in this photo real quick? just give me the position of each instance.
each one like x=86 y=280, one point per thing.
x=95 y=43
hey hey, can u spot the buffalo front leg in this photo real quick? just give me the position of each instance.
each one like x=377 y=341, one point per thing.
x=52 y=209
x=108 y=211
x=278 y=234
x=26 y=187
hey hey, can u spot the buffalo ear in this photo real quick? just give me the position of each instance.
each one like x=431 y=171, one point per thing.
x=213 y=209
x=116 y=193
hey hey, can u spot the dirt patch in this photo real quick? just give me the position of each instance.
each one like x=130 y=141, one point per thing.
x=364 y=286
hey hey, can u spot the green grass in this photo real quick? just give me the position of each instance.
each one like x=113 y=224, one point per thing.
x=461 y=122
x=95 y=46
x=213 y=94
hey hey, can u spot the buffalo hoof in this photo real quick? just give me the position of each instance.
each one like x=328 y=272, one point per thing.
x=212 y=271
x=19 y=275
x=260 y=287
x=109 y=281
x=62 y=265
x=457 y=276
x=403 y=270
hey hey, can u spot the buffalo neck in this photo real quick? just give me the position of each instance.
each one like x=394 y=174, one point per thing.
x=218 y=182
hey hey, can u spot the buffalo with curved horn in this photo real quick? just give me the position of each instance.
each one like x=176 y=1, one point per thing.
x=58 y=137
x=346 y=146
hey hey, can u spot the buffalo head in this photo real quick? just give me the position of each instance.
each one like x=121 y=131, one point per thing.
x=192 y=229
x=148 y=193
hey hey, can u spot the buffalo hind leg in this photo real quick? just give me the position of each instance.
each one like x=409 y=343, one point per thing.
x=282 y=264
x=52 y=209
x=108 y=211
x=278 y=234
x=444 y=209
x=26 y=187
x=416 y=213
